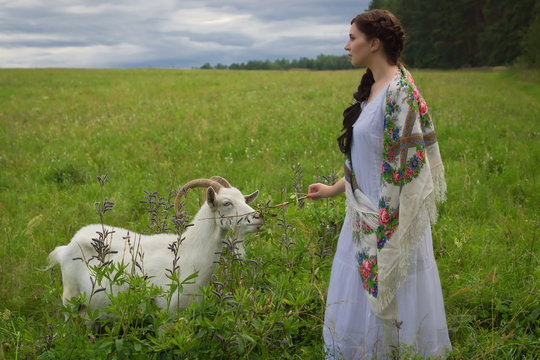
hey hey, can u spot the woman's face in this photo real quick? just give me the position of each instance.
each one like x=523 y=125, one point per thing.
x=358 y=47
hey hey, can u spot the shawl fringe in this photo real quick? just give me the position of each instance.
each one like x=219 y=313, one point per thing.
x=426 y=216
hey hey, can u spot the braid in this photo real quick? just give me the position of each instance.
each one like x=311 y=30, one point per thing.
x=353 y=112
x=391 y=35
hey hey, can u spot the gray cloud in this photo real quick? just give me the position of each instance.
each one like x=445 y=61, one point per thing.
x=167 y=33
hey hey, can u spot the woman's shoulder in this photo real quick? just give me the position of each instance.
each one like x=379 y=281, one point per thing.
x=400 y=84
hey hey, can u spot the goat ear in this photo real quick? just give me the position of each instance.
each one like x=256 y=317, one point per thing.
x=211 y=196
x=251 y=197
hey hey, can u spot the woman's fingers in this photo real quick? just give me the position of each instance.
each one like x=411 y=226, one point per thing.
x=314 y=191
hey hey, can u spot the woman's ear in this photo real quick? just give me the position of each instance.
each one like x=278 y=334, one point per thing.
x=375 y=44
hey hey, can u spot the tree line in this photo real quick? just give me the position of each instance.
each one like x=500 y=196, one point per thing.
x=445 y=34
x=322 y=62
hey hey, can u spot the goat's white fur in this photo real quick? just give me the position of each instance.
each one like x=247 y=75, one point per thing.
x=199 y=251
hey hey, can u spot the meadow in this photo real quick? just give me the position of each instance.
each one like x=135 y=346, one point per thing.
x=152 y=130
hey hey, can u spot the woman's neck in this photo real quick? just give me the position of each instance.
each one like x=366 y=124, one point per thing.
x=382 y=71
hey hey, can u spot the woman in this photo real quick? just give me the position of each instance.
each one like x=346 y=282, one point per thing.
x=384 y=291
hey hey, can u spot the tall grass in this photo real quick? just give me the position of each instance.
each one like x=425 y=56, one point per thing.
x=152 y=130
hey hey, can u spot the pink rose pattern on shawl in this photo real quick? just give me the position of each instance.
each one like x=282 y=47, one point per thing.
x=357 y=225
x=388 y=222
x=366 y=229
x=384 y=217
x=369 y=272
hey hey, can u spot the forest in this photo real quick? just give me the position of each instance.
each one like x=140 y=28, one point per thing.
x=446 y=34
x=465 y=33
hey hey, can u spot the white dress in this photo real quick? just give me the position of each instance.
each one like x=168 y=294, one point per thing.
x=351 y=330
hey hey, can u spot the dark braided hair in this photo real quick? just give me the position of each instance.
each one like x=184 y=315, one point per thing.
x=381 y=24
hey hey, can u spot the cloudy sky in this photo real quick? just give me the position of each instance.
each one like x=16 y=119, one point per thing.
x=168 y=33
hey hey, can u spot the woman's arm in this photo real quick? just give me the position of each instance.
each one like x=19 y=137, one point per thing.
x=319 y=191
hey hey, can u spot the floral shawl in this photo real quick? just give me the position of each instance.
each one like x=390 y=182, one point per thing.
x=412 y=182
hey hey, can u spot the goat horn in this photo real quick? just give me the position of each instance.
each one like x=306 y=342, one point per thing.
x=221 y=180
x=194 y=184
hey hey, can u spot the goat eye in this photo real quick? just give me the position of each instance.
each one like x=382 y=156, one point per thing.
x=227 y=204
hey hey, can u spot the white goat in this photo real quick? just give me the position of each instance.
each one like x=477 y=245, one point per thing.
x=224 y=209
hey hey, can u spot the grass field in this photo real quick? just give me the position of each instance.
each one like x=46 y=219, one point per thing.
x=152 y=130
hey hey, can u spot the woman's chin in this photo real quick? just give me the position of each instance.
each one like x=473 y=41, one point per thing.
x=356 y=63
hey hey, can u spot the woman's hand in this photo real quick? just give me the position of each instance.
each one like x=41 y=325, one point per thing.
x=320 y=191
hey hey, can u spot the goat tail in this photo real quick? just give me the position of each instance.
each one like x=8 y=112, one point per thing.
x=53 y=259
